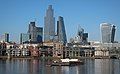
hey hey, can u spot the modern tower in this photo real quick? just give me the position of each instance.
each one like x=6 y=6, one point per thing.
x=32 y=31
x=6 y=37
x=49 y=25
x=61 y=30
x=113 y=33
x=36 y=33
x=39 y=34
x=107 y=32
x=81 y=37
x=24 y=38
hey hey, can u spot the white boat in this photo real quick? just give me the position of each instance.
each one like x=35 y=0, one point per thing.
x=67 y=62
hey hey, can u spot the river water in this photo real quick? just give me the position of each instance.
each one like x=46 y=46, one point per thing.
x=34 y=66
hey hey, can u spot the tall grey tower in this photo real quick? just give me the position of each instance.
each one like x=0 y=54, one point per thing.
x=49 y=25
x=107 y=32
x=61 y=30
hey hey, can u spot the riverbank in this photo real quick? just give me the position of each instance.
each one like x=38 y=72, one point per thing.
x=50 y=58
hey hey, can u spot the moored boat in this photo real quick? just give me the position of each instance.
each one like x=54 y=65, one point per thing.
x=67 y=62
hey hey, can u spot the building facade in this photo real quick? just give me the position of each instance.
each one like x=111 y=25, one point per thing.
x=107 y=32
x=81 y=37
x=39 y=31
x=32 y=31
x=49 y=25
x=5 y=37
x=24 y=38
x=36 y=33
x=61 y=33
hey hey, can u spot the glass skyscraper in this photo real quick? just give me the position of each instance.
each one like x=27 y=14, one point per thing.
x=61 y=30
x=49 y=25
x=113 y=34
x=39 y=34
x=107 y=32
x=81 y=37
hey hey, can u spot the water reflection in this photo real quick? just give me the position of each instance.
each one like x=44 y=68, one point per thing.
x=34 y=66
x=107 y=66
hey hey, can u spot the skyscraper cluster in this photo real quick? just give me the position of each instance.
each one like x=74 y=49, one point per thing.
x=49 y=27
x=81 y=37
x=107 y=32
x=50 y=34
x=35 y=34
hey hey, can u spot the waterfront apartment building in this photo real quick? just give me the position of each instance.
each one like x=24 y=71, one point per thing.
x=107 y=32
x=36 y=33
x=49 y=25
x=61 y=33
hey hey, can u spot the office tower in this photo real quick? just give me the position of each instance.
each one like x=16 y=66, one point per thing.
x=24 y=38
x=85 y=38
x=39 y=34
x=49 y=25
x=107 y=32
x=61 y=30
x=32 y=31
x=113 y=33
x=6 y=37
x=81 y=37
x=36 y=33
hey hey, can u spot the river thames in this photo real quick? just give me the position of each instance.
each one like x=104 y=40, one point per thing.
x=34 y=66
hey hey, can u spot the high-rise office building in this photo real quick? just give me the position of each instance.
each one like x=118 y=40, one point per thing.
x=36 y=33
x=24 y=38
x=5 y=37
x=107 y=32
x=81 y=37
x=61 y=30
x=39 y=34
x=113 y=33
x=32 y=31
x=49 y=25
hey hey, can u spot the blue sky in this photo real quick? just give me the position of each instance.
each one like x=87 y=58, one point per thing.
x=15 y=15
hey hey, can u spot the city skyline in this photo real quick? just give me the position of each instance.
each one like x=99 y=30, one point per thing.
x=17 y=14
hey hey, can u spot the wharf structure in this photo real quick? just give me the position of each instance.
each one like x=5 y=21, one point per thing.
x=56 y=49
x=95 y=50
x=79 y=51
